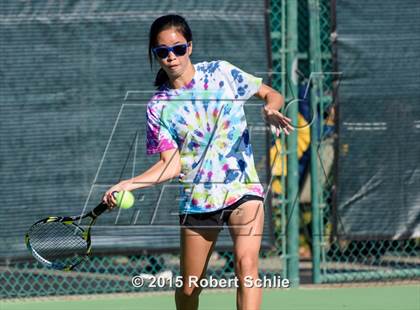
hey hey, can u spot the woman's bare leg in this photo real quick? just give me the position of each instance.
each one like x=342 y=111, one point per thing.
x=196 y=249
x=246 y=225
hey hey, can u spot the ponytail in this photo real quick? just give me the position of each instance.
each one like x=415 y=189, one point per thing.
x=161 y=78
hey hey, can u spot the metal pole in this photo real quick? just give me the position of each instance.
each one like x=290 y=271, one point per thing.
x=316 y=97
x=292 y=162
x=283 y=140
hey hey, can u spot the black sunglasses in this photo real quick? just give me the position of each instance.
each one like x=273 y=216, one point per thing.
x=178 y=50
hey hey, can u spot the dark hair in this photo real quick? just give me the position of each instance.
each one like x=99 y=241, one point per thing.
x=160 y=24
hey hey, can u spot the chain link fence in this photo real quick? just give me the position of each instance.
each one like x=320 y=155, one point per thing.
x=349 y=260
x=340 y=260
x=111 y=273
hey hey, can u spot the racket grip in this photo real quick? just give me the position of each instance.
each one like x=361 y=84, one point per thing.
x=99 y=209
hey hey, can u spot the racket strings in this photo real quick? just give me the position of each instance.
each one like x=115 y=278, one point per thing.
x=58 y=243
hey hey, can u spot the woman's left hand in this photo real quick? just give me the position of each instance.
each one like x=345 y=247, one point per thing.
x=278 y=120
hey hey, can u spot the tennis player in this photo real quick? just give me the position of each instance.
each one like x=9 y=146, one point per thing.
x=196 y=121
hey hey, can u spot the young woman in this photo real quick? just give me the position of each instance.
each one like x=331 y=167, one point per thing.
x=196 y=122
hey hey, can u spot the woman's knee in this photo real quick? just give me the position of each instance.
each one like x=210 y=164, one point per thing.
x=247 y=265
x=189 y=291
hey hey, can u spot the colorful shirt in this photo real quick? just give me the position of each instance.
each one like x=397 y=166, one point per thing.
x=205 y=120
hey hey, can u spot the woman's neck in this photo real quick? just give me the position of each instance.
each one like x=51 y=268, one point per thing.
x=184 y=78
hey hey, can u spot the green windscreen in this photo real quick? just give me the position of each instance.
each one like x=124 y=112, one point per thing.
x=378 y=177
x=75 y=80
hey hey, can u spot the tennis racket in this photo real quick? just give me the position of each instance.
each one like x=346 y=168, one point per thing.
x=59 y=242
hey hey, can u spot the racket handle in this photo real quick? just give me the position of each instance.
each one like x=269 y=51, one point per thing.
x=99 y=209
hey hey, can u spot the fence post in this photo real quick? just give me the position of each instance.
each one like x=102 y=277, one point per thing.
x=316 y=95
x=292 y=161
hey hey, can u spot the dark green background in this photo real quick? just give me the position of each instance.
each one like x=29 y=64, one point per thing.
x=65 y=69
x=378 y=177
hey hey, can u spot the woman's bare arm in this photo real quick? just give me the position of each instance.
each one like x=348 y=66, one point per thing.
x=273 y=102
x=168 y=167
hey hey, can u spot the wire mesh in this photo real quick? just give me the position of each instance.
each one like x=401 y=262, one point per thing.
x=340 y=260
x=350 y=260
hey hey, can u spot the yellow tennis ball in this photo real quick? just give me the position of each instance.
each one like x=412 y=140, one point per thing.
x=125 y=199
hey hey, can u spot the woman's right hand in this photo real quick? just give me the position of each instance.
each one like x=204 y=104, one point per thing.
x=109 y=197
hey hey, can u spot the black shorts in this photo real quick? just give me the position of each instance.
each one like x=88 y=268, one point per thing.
x=214 y=219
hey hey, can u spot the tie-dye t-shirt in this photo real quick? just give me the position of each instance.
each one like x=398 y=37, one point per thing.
x=205 y=120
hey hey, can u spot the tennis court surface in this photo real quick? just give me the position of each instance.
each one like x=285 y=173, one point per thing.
x=396 y=297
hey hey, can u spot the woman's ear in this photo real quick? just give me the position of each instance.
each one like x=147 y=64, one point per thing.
x=190 y=48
